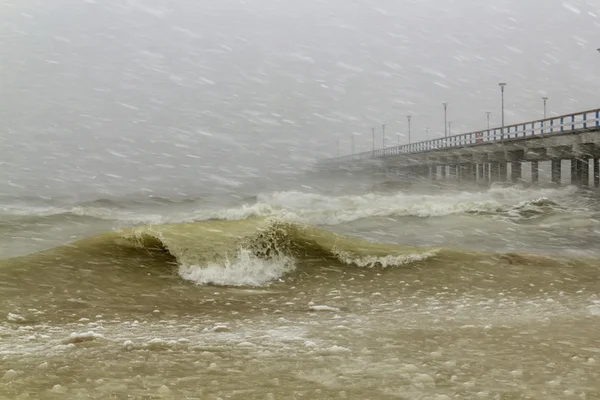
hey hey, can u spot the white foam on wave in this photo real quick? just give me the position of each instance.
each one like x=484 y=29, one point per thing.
x=245 y=269
x=332 y=210
x=518 y=192
x=80 y=337
x=385 y=261
x=323 y=308
x=124 y=216
x=39 y=211
x=245 y=211
x=87 y=211
x=320 y=209
x=13 y=317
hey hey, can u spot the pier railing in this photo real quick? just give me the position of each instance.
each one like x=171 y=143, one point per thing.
x=562 y=124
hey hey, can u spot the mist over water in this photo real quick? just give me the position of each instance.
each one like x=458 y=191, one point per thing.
x=189 y=97
x=167 y=231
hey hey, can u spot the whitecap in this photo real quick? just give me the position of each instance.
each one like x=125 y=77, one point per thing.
x=245 y=269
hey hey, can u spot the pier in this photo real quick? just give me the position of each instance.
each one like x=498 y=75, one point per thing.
x=498 y=154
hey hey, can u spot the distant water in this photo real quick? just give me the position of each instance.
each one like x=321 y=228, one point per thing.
x=321 y=289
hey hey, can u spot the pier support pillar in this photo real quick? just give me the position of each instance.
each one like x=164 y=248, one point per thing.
x=465 y=172
x=494 y=172
x=584 y=172
x=575 y=168
x=461 y=172
x=486 y=172
x=515 y=171
x=596 y=173
x=535 y=172
x=472 y=172
x=502 y=171
x=443 y=172
x=556 y=171
x=421 y=172
x=452 y=170
x=480 y=172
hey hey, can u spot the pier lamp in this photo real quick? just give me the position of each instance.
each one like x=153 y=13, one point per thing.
x=445 y=119
x=545 y=100
x=502 y=85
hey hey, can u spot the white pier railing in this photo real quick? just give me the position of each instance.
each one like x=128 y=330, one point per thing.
x=562 y=124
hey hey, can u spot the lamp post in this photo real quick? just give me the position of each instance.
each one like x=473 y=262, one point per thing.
x=502 y=85
x=545 y=100
x=409 y=117
x=488 y=118
x=373 y=130
x=383 y=138
x=450 y=128
x=445 y=118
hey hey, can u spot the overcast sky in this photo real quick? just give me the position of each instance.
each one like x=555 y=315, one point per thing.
x=111 y=93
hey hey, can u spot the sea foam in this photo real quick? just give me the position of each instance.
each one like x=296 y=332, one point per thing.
x=384 y=261
x=245 y=269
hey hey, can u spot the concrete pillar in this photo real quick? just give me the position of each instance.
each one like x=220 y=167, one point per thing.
x=443 y=171
x=417 y=171
x=556 y=170
x=452 y=169
x=515 y=171
x=575 y=177
x=596 y=173
x=535 y=172
x=480 y=172
x=473 y=172
x=494 y=171
x=486 y=172
x=584 y=172
x=502 y=171
x=465 y=170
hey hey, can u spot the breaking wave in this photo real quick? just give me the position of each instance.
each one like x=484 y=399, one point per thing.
x=249 y=252
x=316 y=209
x=254 y=252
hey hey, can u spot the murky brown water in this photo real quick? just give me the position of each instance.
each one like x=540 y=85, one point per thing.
x=106 y=319
x=456 y=326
